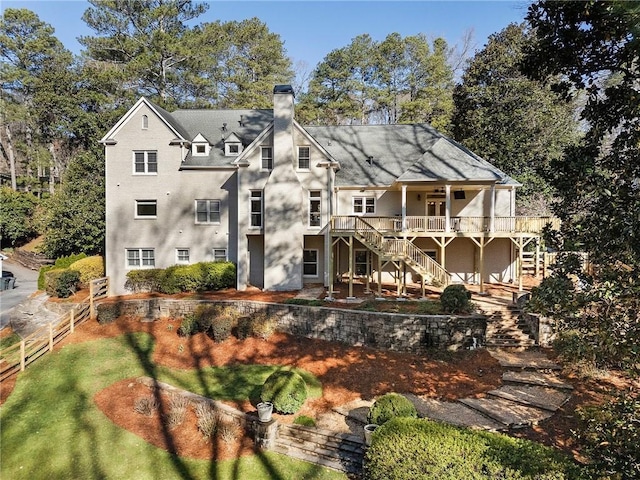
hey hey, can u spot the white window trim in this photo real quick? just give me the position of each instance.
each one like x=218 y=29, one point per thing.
x=229 y=153
x=183 y=262
x=145 y=122
x=367 y=263
x=317 y=263
x=208 y=200
x=146 y=162
x=141 y=266
x=251 y=212
x=308 y=158
x=262 y=149
x=194 y=149
x=213 y=252
x=364 y=205
x=309 y=199
x=147 y=202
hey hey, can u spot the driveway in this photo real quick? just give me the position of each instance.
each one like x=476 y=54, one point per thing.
x=26 y=285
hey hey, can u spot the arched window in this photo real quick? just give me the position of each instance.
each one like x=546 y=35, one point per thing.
x=145 y=122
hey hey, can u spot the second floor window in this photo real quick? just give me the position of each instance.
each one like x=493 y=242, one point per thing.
x=267 y=158
x=256 y=208
x=208 y=211
x=315 y=208
x=145 y=162
x=304 y=158
x=362 y=205
x=146 y=208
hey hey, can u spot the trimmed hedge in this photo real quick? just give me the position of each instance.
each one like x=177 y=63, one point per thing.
x=60 y=264
x=90 y=268
x=419 y=449
x=456 y=299
x=389 y=406
x=197 y=277
x=286 y=389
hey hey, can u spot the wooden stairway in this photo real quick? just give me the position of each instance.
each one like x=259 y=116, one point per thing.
x=394 y=248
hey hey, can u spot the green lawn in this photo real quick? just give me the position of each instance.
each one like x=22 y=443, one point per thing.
x=50 y=427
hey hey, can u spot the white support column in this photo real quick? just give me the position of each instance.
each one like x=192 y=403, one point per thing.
x=404 y=208
x=512 y=199
x=492 y=208
x=447 y=210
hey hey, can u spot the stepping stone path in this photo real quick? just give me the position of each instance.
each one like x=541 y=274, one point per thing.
x=531 y=392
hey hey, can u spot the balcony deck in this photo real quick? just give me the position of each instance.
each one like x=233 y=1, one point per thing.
x=458 y=226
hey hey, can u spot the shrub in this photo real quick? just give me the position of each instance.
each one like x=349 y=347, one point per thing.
x=184 y=278
x=107 y=312
x=90 y=268
x=146 y=405
x=177 y=411
x=145 y=280
x=304 y=301
x=228 y=430
x=223 y=323
x=305 y=421
x=243 y=327
x=60 y=264
x=446 y=452
x=218 y=275
x=286 y=389
x=610 y=434
x=207 y=419
x=573 y=347
x=62 y=283
x=189 y=325
x=263 y=326
x=456 y=299
x=389 y=406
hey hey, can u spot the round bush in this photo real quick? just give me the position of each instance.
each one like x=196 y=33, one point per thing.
x=389 y=406
x=90 y=268
x=455 y=299
x=286 y=389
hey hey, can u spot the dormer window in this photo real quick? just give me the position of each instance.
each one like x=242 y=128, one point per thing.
x=232 y=149
x=200 y=146
x=232 y=145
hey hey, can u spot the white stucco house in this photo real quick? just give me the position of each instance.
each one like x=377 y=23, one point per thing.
x=293 y=204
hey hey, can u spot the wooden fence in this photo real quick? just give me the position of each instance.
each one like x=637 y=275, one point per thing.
x=18 y=356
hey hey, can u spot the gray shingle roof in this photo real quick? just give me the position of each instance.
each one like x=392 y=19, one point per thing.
x=369 y=155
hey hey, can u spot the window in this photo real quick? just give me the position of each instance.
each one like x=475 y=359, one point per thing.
x=141 y=258
x=310 y=263
x=256 y=208
x=232 y=148
x=219 y=254
x=146 y=208
x=145 y=163
x=201 y=149
x=145 y=122
x=315 y=208
x=208 y=211
x=267 y=158
x=361 y=262
x=303 y=158
x=364 y=205
x=182 y=255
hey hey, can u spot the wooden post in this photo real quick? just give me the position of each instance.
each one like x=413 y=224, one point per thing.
x=350 y=268
x=22 y=355
x=50 y=336
x=71 y=320
x=379 y=276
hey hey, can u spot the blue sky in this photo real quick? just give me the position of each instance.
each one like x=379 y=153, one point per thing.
x=311 y=29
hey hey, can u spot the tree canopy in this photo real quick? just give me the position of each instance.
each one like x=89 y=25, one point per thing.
x=398 y=80
x=517 y=123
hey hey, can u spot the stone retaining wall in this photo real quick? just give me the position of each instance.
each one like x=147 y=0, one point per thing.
x=406 y=333
x=540 y=327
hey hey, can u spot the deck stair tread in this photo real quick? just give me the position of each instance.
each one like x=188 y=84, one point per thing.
x=507 y=412
x=546 y=398
x=312 y=457
x=535 y=378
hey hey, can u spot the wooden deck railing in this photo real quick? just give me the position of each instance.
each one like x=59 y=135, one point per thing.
x=18 y=356
x=534 y=225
